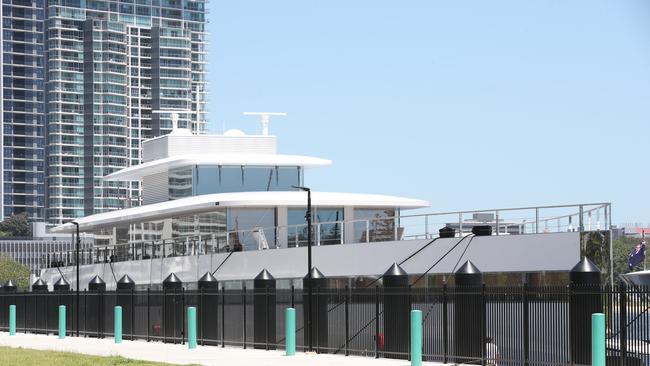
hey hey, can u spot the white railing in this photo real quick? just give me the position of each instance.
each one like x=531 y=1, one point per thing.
x=503 y=221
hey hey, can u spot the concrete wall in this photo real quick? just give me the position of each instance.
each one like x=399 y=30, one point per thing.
x=515 y=253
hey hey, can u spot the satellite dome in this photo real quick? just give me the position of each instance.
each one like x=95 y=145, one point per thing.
x=234 y=132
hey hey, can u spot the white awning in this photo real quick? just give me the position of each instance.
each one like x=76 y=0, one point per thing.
x=136 y=172
x=210 y=202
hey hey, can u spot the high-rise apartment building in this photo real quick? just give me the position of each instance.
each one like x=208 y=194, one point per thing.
x=99 y=75
x=23 y=109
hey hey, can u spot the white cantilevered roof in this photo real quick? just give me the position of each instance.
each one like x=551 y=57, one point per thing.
x=209 y=202
x=136 y=172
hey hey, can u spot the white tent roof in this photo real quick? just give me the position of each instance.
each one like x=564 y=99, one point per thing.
x=136 y=172
x=209 y=202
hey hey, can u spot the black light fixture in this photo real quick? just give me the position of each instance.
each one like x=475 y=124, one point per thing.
x=77 y=286
x=309 y=278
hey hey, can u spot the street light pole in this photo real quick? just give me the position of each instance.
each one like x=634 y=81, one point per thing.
x=77 y=287
x=309 y=277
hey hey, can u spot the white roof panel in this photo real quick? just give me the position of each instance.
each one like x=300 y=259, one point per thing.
x=208 y=202
x=136 y=172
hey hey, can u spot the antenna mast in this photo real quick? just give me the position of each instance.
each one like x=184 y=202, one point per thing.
x=174 y=114
x=265 y=118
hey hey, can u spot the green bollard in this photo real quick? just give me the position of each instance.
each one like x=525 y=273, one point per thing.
x=12 y=320
x=416 y=338
x=598 y=339
x=118 y=324
x=191 y=327
x=290 y=315
x=61 y=321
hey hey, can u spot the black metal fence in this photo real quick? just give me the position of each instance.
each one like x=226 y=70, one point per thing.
x=525 y=325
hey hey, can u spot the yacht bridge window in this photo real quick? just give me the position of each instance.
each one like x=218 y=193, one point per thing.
x=222 y=179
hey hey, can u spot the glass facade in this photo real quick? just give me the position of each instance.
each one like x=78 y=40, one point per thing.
x=374 y=225
x=200 y=179
x=251 y=228
x=325 y=230
x=80 y=81
x=222 y=179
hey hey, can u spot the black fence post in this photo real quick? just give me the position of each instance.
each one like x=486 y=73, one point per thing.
x=85 y=313
x=397 y=303
x=585 y=277
x=264 y=309
x=132 y=314
x=163 y=321
x=483 y=324
x=319 y=314
x=40 y=287
x=445 y=323
x=270 y=314
x=25 y=311
x=209 y=310
x=148 y=313
x=223 y=317
x=47 y=314
x=201 y=314
x=622 y=319
x=172 y=298
x=347 y=320
x=469 y=341
x=570 y=304
x=526 y=323
x=124 y=295
x=377 y=321
x=183 y=315
x=243 y=293
x=62 y=287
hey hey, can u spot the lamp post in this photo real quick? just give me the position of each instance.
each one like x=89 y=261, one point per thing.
x=76 y=306
x=309 y=284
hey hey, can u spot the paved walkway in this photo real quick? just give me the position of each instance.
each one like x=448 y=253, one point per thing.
x=180 y=354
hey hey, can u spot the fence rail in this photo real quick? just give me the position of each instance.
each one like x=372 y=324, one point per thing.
x=528 y=325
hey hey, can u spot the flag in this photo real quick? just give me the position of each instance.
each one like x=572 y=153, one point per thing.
x=637 y=255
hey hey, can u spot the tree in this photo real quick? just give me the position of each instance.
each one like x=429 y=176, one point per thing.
x=16 y=225
x=12 y=270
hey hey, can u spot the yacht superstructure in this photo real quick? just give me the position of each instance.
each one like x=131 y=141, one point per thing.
x=206 y=185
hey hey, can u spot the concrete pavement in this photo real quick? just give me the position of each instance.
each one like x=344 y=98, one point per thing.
x=180 y=354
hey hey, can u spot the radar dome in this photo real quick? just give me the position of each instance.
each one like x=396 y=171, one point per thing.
x=234 y=132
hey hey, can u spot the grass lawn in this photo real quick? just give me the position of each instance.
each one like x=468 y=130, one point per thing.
x=28 y=357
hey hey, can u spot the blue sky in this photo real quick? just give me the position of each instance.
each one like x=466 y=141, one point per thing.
x=467 y=104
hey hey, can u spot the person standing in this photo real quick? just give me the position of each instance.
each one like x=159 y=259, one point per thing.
x=637 y=255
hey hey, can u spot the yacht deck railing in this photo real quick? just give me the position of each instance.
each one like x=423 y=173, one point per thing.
x=504 y=221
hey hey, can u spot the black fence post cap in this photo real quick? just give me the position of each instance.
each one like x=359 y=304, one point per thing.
x=315 y=274
x=9 y=286
x=585 y=266
x=208 y=277
x=97 y=280
x=39 y=285
x=208 y=282
x=97 y=284
x=395 y=270
x=61 y=285
x=125 y=283
x=468 y=268
x=172 y=278
x=264 y=275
